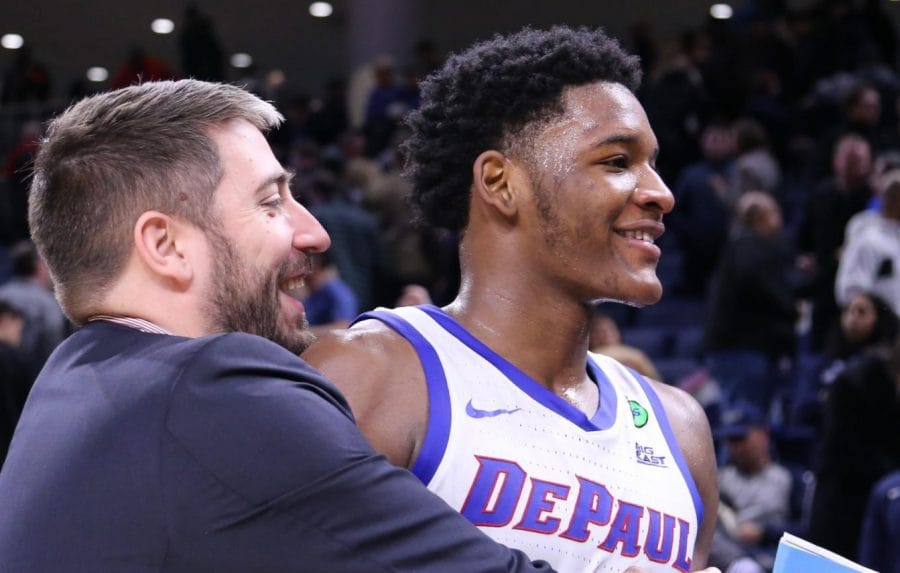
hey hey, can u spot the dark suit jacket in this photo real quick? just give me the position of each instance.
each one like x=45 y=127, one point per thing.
x=142 y=452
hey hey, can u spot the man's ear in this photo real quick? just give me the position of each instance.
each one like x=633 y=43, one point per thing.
x=161 y=243
x=494 y=182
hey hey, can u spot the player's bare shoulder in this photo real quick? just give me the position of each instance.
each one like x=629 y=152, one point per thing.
x=685 y=414
x=381 y=376
x=369 y=346
x=689 y=425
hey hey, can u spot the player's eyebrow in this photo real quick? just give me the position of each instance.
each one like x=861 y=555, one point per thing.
x=624 y=138
x=627 y=138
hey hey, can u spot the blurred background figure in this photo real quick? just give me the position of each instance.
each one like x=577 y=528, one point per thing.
x=388 y=102
x=15 y=379
x=201 y=53
x=17 y=172
x=878 y=547
x=29 y=291
x=413 y=295
x=356 y=244
x=859 y=446
x=605 y=338
x=141 y=66
x=885 y=171
x=754 y=494
x=861 y=116
x=755 y=168
x=750 y=326
x=700 y=221
x=870 y=260
x=330 y=304
x=821 y=233
x=866 y=323
x=27 y=79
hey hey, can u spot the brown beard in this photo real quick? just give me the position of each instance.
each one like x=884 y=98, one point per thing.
x=244 y=299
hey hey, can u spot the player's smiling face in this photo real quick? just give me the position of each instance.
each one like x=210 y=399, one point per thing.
x=599 y=201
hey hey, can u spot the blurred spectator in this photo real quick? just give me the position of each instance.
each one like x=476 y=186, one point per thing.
x=878 y=547
x=750 y=326
x=201 y=53
x=413 y=295
x=871 y=258
x=330 y=303
x=329 y=118
x=17 y=172
x=675 y=99
x=860 y=445
x=643 y=44
x=356 y=248
x=754 y=493
x=140 y=67
x=29 y=292
x=305 y=159
x=15 y=380
x=293 y=134
x=701 y=217
x=861 y=115
x=606 y=339
x=26 y=79
x=821 y=232
x=408 y=244
x=388 y=102
x=428 y=58
x=884 y=37
x=885 y=171
x=361 y=173
x=866 y=323
x=755 y=168
x=767 y=106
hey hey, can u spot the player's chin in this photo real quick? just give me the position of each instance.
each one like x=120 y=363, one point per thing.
x=635 y=293
x=646 y=291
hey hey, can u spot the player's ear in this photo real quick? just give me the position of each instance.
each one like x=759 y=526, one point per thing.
x=494 y=182
x=162 y=244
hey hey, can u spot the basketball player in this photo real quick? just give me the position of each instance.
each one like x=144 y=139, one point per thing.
x=534 y=146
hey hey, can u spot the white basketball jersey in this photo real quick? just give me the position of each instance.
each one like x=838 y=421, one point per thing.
x=534 y=472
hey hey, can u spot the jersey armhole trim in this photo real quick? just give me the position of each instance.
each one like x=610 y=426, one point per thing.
x=437 y=432
x=666 y=428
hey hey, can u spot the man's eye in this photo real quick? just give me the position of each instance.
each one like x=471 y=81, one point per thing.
x=274 y=203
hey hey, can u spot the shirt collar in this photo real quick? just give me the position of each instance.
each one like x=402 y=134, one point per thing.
x=136 y=323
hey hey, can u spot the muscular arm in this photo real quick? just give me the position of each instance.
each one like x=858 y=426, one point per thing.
x=691 y=428
x=379 y=373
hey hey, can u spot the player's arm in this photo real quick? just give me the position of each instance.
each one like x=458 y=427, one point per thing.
x=379 y=373
x=691 y=429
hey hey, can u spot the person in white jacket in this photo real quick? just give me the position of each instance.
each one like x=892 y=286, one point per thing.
x=871 y=258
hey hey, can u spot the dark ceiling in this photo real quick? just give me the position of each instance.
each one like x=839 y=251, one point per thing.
x=70 y=36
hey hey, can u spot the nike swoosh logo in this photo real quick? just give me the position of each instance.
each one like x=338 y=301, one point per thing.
x=474 y=412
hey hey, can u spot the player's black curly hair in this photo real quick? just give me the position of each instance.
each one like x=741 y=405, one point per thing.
x=488 y=94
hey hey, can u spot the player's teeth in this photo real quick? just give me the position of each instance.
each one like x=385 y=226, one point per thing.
x=639 y=235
